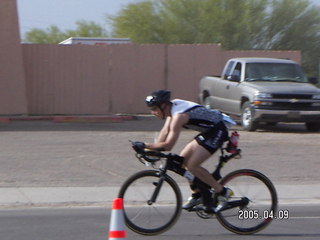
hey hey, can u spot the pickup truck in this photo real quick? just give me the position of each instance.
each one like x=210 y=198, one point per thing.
x=265 y=90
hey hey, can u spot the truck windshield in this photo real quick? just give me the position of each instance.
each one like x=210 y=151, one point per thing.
x=274 y=72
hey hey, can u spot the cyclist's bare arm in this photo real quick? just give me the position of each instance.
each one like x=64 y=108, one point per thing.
x=164 y=131
x=173 y=130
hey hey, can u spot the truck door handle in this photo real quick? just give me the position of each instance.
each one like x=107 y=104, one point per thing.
x=227 y=87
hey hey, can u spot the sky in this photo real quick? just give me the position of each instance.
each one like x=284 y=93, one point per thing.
x=65 y=13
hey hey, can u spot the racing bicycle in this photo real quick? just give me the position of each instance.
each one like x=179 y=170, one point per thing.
x=152 y=199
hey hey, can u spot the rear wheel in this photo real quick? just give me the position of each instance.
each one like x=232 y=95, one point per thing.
x=253 y=204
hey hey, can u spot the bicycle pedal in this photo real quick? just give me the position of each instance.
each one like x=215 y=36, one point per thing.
x=193 y=209
x=202 y=214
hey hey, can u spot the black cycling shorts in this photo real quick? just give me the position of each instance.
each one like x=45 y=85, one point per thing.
x=213 y=138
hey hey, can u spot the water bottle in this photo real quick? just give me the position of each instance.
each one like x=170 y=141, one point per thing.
x=233 y=143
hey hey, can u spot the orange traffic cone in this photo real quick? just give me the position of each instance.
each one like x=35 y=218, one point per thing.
x=117 y=225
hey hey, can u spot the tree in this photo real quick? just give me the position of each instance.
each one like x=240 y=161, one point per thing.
x=87 y=29
x=236 y=24
x=294 y=25
x=54 y=35
x=231 y=22
x=139 y=21
x=51 y=35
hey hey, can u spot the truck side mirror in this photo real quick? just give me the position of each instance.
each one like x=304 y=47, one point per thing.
x=233 y=78
x=313 y=80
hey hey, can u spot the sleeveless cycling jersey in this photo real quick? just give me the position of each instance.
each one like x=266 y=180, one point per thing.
x=200 y=118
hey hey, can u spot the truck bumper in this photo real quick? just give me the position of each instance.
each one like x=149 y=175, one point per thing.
x=264 y=115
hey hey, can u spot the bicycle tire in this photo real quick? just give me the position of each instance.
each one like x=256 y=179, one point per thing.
x=262 y=204
x=141 y=216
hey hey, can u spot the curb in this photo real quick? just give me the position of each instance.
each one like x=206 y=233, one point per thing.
x=4 y=120
x=103 y=196
x=71 y=118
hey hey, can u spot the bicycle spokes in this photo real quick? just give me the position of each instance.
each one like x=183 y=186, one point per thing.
x=152 y=204
x=254 y=195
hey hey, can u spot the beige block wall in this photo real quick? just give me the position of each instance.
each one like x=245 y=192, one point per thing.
x=82 y=79
x=12 y=81
x=67 y=79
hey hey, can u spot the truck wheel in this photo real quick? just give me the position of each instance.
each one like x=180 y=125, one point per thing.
x=206 y=103
x=246 y=118
x=312 y=126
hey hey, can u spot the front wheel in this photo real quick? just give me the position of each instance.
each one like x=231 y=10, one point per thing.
x=258 y=202
x=147 y=217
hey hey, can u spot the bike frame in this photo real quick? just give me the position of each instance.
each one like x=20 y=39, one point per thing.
x=174 y=163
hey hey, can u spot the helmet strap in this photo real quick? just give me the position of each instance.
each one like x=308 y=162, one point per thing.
x=163 y=109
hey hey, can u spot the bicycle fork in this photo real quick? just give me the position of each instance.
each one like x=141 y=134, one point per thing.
x=156 y=191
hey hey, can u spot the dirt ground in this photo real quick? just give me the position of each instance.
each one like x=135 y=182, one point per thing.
x=43 y=153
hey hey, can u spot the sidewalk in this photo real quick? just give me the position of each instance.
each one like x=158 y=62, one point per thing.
x=103 y=196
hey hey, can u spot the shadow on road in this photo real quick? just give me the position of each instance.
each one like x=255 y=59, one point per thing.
x=284 y=128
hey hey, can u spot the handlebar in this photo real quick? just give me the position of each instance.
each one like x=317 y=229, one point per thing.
x=151 y=156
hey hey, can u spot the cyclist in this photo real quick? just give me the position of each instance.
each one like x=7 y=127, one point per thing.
x=213 y=132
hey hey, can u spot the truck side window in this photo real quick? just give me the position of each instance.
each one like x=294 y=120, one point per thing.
x=228 y=69
x=236 y=74
x=237 y=70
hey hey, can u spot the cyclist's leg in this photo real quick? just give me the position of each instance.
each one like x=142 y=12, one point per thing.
x=195 y=155
x=198 y=151
x=197 y=193
x=194 y=199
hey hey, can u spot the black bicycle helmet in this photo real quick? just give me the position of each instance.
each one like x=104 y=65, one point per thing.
x=158 y=97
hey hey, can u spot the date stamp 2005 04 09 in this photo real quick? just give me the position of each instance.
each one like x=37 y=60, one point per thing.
x=251 y=214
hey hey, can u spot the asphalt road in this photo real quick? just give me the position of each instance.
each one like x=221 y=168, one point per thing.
x=93 y=224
